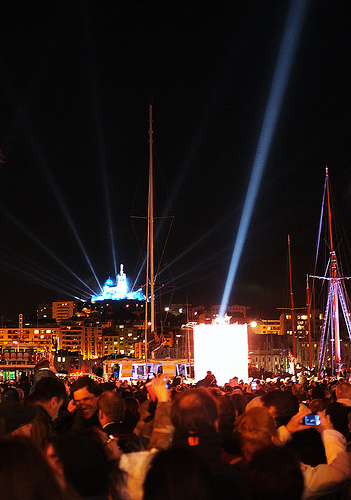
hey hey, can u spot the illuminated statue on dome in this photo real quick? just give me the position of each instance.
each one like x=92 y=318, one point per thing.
x=118 y=291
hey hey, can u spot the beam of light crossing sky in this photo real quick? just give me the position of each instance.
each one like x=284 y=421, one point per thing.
x=44 y=247
x=21 y=269
x=32 y=141
x=91 y=57
x=282 y=71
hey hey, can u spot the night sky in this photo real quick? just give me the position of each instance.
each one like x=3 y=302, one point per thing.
x=76 y=79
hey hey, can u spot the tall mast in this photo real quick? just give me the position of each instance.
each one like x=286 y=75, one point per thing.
x=309 y=322
x=334 y=281
x=292 y=302
x=151 y=225
x=150 y=279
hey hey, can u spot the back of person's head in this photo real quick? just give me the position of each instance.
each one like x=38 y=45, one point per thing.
x=84 y=461
x=177 y=474
x=112 y=405
x=24 y=472
x=317 y=405
x=87 y=382
x=318 y=391
x=343 y=390
x=10 y=395
x=239 y=404
x=13 y=416
x=274 y=473
x=299 y=392
x=48 y=388
x=226 y=414
x=339 y=417
x=43 y=363
x=133 y=405
x=285 y=404
x=257 y=429
x=195 y=410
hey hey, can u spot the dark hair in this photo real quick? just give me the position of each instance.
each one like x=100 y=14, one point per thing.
x=43 y=363
x=10 y=394
x=339 y=417
x=24 y=472
x=177 y=474
x=84 y=462
x=194 y=410
x=285 y=403
x=274 y=473
x=48 y=388
x=87 y=382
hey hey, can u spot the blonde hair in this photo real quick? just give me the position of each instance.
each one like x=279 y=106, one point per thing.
x=256 y=429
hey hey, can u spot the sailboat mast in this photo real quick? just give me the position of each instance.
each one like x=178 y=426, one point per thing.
x=151 y=225
x=292 y=302
x=334 y=281
x=309 y=322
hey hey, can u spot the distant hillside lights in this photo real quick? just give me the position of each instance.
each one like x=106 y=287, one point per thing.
x=110 y=291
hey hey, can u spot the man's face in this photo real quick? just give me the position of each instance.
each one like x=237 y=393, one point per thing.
x=86 y=402
x=55 y=407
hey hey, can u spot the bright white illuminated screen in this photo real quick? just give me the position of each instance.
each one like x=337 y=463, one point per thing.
x=222 y=349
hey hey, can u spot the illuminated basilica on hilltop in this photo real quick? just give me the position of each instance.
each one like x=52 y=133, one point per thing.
x=118 y=291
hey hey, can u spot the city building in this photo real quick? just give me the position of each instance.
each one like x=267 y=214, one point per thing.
x=83 y=336
x=121 y=340
x=45 y=337
x=265 y=327
x=63 y=310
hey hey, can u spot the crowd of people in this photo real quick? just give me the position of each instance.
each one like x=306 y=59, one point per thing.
x=83 y=439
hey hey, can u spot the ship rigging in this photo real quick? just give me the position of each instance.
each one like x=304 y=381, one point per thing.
x=337 y=296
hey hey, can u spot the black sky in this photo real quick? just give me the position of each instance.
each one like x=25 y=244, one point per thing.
x=75 y=81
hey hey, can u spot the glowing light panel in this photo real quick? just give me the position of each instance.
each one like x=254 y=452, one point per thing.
x=223 y=349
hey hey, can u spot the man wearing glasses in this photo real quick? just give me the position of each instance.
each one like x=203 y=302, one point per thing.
x=86 y=393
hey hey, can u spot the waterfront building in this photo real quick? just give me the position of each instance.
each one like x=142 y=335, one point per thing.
x=121 y=340
x=63 y=309
x=265 y=327
x=45 y=336
x=83 y=336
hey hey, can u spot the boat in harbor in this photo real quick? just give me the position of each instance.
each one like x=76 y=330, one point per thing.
x=330 y=349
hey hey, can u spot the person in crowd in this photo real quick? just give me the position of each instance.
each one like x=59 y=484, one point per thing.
x=10 y=394
x=208 y=381
x=86 y=393
x=274 y=473
x=194 y=415
x=307 y=443
x=25 y=474
x=111 y=408
x=82 y=409
x=178 y=474
x=339 y=417
x=257 y=430
x=343 y=393
x=16 y=419
x=42 y=369
x=47 y=398
x=80 y=462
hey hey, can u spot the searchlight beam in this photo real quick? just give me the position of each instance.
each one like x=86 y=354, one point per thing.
x=280 y=80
